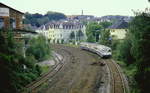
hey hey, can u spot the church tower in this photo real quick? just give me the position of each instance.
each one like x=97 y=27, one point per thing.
x=82 y=12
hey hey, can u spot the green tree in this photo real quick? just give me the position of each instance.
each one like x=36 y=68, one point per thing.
x=124 y=51
x=105 y=37
x=55 y=15
x=135 y=50
x=105 y=24
x=91 y=38
x=140 y=32
x=39 y=47
x=80 y=35
x=42 y=20
x=39 y=19
x=62 y=41
x=16 y=70
x=93 y=32
x=72 y=35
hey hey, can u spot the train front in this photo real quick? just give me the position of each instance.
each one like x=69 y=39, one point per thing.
x=107 y=53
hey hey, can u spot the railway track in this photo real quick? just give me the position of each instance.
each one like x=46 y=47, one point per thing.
x=78 y=75
x=118 y=84
x=117 y=81
x=34 y=85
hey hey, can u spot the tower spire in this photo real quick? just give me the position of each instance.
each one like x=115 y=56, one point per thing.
x=82 y=12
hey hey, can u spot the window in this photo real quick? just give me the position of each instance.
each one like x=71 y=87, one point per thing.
x=1 y=23
x=12 y=23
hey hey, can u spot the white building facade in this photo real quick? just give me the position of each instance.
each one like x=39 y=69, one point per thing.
x=59 y=32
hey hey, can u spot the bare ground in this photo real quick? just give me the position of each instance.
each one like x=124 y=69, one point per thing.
x=78 y=75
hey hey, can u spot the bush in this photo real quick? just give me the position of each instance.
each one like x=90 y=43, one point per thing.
x=16 y=70
x=39 y=47
x=124 y=52
x=114 y=44
x=135 y=50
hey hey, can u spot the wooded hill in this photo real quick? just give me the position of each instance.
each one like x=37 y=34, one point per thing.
x=39 y=19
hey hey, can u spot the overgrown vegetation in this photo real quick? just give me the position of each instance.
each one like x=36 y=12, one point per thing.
x=39 y=47
x=96 y=32
x=135 y=52
x=16 y=70
x=93 y=32
x=105 y=38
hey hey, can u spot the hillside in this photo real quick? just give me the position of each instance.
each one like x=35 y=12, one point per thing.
x=39 y=19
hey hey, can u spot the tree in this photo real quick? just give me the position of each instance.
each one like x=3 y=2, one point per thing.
x=39 y=47
x=14 y=75
x=72 y=35
x=124 y=51
x=39 y=19
x=91 y=38
x=135 y=50
x=105 y=37
x=105 y=24
x=93 y=32
x=55 y=15
x=42 y=21
x=80 y=34
x=62 y=41
x=140 y=31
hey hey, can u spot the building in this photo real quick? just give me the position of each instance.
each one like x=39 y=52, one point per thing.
x=119 y=29
x=10 y=18
x=80 y=17
x=60 y=31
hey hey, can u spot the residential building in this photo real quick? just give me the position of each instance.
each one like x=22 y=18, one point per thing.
x=10 y=17
x=60 y=31
x=119 y=29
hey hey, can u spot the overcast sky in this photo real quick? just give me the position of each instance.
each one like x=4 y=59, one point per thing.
x=74 y=7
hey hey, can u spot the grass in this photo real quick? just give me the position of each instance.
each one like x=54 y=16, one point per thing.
x=72 y=45
x=45 y=69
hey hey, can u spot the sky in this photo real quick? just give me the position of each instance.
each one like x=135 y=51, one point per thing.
x=74 y=7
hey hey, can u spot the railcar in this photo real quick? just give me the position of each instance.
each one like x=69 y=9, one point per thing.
x=101 y=50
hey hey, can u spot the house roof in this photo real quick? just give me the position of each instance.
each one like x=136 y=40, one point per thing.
x=58 y=23
x=25 y=31
x=10 y=8
x=119 y=25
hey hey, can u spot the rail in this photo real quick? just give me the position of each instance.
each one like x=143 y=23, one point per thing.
x=46 y=76
x=118 y=83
